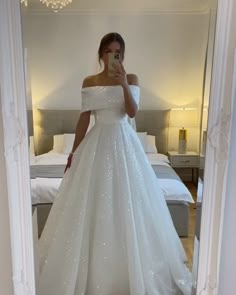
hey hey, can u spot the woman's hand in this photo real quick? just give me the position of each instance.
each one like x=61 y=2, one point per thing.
x=69 y=160
x=120 y=74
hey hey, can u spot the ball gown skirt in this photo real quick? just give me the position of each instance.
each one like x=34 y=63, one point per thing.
x=109 y=231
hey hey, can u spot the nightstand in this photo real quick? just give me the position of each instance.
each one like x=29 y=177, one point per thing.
x=185 y=163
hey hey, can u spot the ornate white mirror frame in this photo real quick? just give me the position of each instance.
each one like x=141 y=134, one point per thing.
x=17 y=156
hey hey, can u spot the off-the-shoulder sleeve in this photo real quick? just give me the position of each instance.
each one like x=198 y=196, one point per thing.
x=92 y=99
x=86 y=104
x=100 y=97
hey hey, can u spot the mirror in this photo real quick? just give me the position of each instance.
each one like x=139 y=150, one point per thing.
x=203 y=138
x=169 y=56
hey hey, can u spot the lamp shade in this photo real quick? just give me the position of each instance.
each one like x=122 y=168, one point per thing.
x=184 y=118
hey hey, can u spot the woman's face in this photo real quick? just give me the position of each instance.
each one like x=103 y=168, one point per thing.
x=112 y=47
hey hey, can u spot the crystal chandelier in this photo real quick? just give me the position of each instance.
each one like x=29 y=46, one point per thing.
x=56 y=5
x=24 y=1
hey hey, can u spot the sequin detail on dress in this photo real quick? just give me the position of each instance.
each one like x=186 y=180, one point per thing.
x=109 y=231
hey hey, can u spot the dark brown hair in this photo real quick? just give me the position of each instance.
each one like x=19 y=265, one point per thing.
x=108 y=39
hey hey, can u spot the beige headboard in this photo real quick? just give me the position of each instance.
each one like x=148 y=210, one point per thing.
x=30 y=122
x=51 y=122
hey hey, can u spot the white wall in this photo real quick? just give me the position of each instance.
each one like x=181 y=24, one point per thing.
x=166 y=51
x=6 y=286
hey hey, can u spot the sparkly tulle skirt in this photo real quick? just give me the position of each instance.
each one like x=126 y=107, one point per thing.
x=109 y=231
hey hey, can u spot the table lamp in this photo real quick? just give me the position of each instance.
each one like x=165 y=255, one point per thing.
x=183 y=118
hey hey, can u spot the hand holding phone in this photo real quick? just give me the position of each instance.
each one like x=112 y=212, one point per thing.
x=113 y=59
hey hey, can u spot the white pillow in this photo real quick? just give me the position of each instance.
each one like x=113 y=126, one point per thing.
x=68 y=142
x=151 y=144
x=58 y=143
x=157 y=157
x=31 y=147
x=143 y=139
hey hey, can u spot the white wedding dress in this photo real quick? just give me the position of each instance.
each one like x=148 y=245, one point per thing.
x=109 y=231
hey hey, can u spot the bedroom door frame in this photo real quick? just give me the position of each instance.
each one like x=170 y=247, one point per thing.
x=13 y=95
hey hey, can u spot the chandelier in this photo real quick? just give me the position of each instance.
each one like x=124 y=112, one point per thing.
x=56 y=5
x=24 y=1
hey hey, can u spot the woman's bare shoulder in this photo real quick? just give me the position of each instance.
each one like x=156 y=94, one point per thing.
x=132 y=79
x=89 y=81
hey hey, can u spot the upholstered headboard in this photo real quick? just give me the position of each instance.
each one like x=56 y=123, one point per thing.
x=155 y=122
x=51 y=122
x=30 y=122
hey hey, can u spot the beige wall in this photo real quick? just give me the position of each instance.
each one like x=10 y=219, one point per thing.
x=6 y=287
x=166 y=51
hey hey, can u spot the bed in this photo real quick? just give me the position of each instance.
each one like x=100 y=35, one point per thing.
x=47 y=167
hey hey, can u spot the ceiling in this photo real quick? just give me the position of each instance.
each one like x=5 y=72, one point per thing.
x=128 y=5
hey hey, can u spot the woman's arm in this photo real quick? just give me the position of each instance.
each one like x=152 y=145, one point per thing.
x=81 y=129
x=124 y=80
x=131 y=106
x=83 y=122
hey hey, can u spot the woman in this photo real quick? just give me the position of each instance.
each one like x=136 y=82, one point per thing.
x=109 y=231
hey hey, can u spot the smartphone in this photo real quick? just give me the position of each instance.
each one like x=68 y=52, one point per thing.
x=113 y=58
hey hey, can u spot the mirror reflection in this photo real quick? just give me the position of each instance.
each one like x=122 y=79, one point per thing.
x=104 y=227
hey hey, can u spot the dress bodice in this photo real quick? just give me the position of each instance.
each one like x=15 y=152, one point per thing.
x=107 y=102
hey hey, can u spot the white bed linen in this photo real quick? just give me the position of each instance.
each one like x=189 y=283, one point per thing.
x=199 y=191
x=53 y=158
x=44 y=189
x=50 y=158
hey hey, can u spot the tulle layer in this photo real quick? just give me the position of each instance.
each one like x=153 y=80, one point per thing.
x=109 y=231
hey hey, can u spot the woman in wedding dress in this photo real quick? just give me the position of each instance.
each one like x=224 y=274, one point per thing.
x=109 y=231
